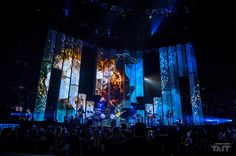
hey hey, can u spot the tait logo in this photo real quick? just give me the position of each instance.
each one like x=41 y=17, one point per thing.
x=220 y=147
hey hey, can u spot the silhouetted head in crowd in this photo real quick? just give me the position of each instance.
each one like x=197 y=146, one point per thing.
x=123 y=126
x=64 y=131
x=90 y=132
x=84 y=133
x=116 y=132
x=96 y=133
x=58 y=131
x=105 y=133
x=139 y=129
x=73 y=131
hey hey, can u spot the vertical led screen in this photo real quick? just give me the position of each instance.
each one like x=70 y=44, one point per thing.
x=194 y=85
x=149 y=108
x=108 y=78
x=45 y=74
x=119 y=78
x=174 y=84
x=179 y=62
x=165 y=83
x=62 y=52
x=89 y=109
x=158 y=109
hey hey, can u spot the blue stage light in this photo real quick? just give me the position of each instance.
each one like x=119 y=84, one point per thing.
x=67 y=7
x=217 y=120
x=101 y=106
x=155 y=24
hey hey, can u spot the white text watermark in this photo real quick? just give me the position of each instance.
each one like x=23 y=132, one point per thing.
x=220 y=147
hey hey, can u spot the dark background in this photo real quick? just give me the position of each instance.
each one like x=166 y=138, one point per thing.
x=210 y=26
x=152 y=86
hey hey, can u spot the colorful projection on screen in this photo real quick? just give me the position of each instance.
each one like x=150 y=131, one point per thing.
x=62 y=52
x=116 y=78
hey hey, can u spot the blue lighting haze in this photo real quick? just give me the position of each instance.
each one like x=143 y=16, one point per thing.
x=155 y=24
x=67 y=7
x=215 y=120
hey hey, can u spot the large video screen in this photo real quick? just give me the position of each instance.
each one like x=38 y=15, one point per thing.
x=119 y=77
x=62 y=52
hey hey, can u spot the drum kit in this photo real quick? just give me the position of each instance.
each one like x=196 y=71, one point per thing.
x=99 y=115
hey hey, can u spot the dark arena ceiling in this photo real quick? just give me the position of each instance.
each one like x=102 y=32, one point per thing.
x=120 y=24
x=126 y=24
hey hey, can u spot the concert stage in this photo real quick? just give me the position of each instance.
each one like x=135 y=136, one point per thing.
x=99 y=81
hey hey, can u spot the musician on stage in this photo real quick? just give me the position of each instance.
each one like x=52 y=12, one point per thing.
x=29 y=115
x=80 y=113
x=150 y=117
x=169 y=117
x=118 y=112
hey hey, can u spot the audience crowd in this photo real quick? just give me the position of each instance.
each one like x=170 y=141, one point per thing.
x=80 y=140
